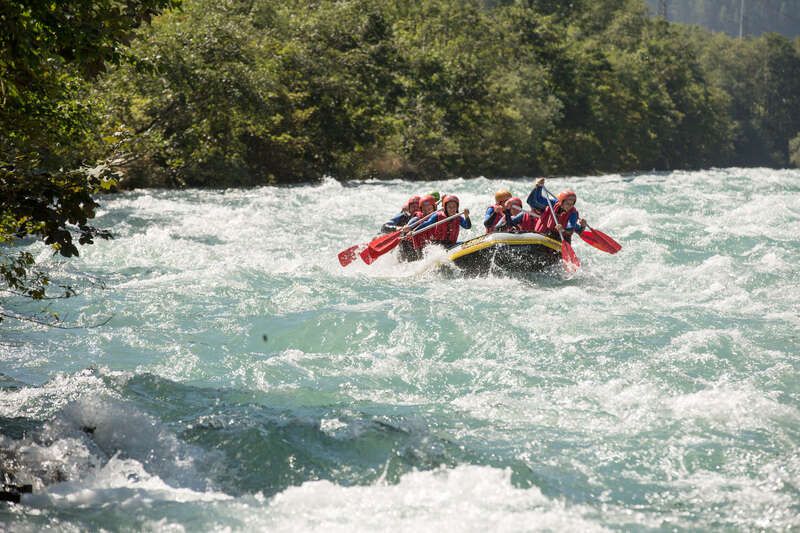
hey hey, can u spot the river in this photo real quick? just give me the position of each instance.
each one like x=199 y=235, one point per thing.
x=244 y=380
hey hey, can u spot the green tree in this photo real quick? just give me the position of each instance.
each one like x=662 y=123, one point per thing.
x=48 y=51
x=265 y=91
x=761 y=79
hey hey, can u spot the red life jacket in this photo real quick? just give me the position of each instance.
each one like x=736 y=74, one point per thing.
x=446 y=233
x=497 y=215
x=527 y=224
x=425 y=236
x=545 y=223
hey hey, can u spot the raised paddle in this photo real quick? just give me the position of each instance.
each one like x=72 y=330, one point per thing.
x=571 y=261
x=371 y=253
x=598 y=239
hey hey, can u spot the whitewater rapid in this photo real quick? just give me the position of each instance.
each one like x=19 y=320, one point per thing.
x=245 y=380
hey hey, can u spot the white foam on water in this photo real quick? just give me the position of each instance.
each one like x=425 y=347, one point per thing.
x=742 y=501
x=732 y=407
x=685 y=338
x=43 y=401
x=772 y=261
x=119 y=482
x=465 y=498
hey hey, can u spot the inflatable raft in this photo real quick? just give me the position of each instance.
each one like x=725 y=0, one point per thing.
x=512 y=253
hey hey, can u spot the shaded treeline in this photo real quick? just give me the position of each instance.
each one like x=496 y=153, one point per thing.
x=270 y=91
x=264 y=91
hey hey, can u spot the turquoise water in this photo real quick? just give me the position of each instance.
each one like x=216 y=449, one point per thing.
x=245 y=380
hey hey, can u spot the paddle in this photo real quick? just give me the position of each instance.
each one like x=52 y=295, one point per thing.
x=571 y=261
x=371 y=253
x=378 y=246
x=378 y=243
x=348 y=255
x=600 y=240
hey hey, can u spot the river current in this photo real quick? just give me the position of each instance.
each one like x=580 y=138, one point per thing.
x=244 y=380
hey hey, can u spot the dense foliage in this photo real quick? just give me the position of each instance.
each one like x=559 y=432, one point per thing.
x=265 y=91
x=48 y=51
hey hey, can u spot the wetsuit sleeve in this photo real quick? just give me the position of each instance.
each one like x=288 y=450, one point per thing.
x=431 y=219
x=515 y=220
x=537 y=200
x=465 y=222
x=394 y=223
x=488 y=219
x=572 y=223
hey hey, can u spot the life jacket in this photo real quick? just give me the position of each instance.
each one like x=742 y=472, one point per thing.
x=546 y=225
x=446 y=233
x=498 y=222
x=497 y=215
x=527 y=224
x=419 y=241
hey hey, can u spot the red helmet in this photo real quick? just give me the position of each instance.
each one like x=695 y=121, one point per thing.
x=566 y=193
x=413 y=200
x=450 y=198
x=513 y=202
x=427 y=199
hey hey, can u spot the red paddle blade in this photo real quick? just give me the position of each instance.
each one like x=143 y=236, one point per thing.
x=571 y=261
x=372 y=252
x=348 y=256
x=379 y=241
x=612 y=245
x=590 y=238
x=601 y=241
x=367 y=257
x=385 y=245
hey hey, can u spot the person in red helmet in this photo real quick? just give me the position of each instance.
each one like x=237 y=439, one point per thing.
x=401 y=219
x=494 y=213
x=567 y=220
x=411 y=249
x=446 y=234
x=427 y=206
x=515 y=219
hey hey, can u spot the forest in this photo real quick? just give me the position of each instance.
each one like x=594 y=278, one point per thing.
x=245 y=93
x=251 y=92
x=103 y=95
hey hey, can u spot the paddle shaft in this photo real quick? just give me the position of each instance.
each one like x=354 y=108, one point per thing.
x=552 y=212
x=608 y=245
x=426 y=228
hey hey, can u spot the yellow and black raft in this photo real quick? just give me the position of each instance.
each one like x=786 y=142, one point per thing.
x=512 y=253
